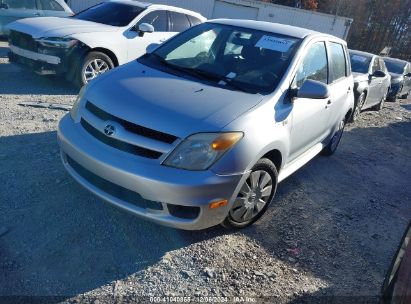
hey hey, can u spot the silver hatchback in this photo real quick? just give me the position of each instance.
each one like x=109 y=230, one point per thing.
x=200 y=130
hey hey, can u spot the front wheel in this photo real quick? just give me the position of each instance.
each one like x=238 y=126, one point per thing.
x=92 y=66
x=358 y=107
x=335 y=140
x=255 y=195
x=379 y=106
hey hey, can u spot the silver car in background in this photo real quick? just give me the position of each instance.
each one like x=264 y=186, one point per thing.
x=200 y=130
x=371 y=81
x=12 y=10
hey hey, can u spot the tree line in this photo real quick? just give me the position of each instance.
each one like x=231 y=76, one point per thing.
x=377 y=25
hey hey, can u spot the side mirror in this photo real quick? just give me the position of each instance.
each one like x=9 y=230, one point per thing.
x=408 y=75
x=152 y=47
x=4 y=6
x=378 y=74
x=312 y=89
x=145 y=28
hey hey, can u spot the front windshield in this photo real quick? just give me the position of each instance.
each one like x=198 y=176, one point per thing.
x=110 y=13
x=231 y=57
x=360 y=63
x=394 y=66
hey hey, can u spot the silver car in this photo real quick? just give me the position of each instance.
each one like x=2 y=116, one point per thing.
x=12 y=10
x=200 y=130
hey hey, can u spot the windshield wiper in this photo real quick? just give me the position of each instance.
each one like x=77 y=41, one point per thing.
x=202 y=74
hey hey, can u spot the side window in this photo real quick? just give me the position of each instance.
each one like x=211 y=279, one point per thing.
x=50 y=5
x=194 y=20
x=158 y=19
x=179 y=22
x=314 y=65
x=20 y=4
x=339 y=68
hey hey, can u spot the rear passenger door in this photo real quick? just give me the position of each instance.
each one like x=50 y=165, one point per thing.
x=341 y=85
x=309 y=116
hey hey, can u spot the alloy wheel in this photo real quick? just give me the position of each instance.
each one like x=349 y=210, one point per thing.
x=95 y=68
x=254 y=195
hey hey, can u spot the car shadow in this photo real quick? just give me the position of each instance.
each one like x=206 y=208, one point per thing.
x=63 y=240
x=11 y=77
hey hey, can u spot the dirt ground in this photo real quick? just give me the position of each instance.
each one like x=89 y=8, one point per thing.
x=331 y=231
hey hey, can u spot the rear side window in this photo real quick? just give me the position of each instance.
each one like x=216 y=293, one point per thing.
x=179 y=22
x=50 y=5
x=339 y=63
x=19 y=4
x=158 y=19
x=314 y=65
x=194 y=20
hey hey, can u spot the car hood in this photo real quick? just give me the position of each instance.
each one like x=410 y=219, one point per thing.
x=165 y=102
x=58 y=27
x=358 y=77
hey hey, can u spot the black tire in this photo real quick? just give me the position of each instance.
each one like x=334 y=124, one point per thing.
x=332 y=146
x=358 y=107
x=379 y=106
x=80 y=77
x=263 y=165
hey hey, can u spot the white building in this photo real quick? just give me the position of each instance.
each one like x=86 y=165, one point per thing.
x=254 y=10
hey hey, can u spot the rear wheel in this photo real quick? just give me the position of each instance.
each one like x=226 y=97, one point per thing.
x=335 y=140
x=93 y=65
x=255 y=195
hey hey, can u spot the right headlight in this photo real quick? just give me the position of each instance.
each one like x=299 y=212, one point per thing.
x=76 y=104
x=200 y=151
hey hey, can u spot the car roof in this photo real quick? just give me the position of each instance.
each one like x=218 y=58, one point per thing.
x=366 y=54
x=282 y=29
x=395 y=60
x=147 y=5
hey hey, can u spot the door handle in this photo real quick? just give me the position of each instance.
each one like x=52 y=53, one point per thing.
x=349 y=90
x=329 y=102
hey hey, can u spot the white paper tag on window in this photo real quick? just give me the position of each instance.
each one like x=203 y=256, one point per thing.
x=274 y=43
x=359 y=58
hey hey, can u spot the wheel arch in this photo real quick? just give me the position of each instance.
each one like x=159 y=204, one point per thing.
x=276 y=157
x=108 y=52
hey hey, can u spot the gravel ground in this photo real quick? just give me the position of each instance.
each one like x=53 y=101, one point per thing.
x=331 y=232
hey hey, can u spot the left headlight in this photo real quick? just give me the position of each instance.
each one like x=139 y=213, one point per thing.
x=58 y=42
x=76 y=104
x=200 y=151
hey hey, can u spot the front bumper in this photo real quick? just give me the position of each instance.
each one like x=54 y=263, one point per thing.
x=40 y=63
x=115 y=176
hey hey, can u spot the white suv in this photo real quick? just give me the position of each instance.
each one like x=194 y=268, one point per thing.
x=95 y=40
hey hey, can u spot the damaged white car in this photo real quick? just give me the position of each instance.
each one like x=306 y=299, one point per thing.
x=96 y=40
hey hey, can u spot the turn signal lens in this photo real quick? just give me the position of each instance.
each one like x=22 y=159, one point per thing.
x=226 y=140
x=218 y=204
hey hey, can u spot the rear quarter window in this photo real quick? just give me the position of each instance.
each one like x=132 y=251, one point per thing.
x=179 y=22
x=338 y=62
x=194 y=20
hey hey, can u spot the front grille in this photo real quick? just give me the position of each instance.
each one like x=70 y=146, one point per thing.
x=120 y=145
x=117 y=191
x=131 y=127
x=23 y=41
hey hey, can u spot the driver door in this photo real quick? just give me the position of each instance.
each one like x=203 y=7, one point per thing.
x=309 y=116
x=136 y=45
x=374 y=86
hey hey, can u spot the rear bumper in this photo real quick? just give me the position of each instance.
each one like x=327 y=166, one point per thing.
x=100 y=169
